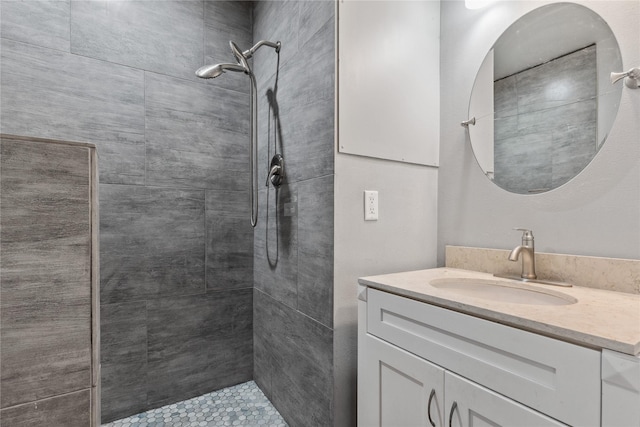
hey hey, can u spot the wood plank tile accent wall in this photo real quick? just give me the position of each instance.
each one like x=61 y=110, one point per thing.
x=46 y=281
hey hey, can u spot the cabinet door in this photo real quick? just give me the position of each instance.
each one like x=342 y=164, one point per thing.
x=469 y=404
x=397 y=388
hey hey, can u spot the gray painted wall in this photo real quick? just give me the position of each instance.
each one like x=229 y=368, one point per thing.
x=597 y=213
x=176 y=243
x=293 y=242
x=404 y=236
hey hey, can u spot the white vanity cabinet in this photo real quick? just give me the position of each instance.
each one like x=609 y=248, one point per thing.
x=404 y=390
x=417 y=360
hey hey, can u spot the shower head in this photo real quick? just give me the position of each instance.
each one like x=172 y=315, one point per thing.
x=213 y=71
x=242 y=60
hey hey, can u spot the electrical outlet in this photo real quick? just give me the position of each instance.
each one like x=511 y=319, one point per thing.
x=370 y=205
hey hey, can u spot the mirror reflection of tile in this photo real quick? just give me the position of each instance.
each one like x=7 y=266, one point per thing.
x=546 y=128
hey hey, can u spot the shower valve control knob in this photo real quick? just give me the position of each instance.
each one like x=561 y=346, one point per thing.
x=276 y=171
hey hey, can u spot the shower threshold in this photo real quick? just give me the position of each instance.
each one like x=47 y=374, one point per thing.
x=241 y=405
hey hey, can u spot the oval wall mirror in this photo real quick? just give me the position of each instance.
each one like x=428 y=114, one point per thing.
x=542 y=99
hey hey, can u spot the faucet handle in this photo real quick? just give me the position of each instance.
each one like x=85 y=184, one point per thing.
x=527 y=236
x=276 y=171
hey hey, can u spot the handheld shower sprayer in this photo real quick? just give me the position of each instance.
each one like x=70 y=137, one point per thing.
x=213 y=71
x=242 y=65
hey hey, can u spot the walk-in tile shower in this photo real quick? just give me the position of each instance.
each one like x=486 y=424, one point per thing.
x=192 y=298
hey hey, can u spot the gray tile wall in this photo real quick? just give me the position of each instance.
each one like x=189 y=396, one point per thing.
x=176 y=243
x=546 y=123
x=45 y=283
x=67 y=410
x=293 y=242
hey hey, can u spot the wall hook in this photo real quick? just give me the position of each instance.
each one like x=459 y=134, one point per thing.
x=631 y=78
x=466 y=123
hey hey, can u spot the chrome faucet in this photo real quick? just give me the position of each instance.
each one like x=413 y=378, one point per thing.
x=528 y=261
x=528 y=255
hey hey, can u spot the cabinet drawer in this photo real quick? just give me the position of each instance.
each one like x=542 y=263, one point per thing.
x=551 y=376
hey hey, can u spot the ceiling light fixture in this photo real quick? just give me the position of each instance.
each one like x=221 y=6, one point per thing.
x=477 y=4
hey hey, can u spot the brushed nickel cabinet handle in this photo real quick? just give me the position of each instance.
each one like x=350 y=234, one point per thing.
x=453 y=409
x=433 y=393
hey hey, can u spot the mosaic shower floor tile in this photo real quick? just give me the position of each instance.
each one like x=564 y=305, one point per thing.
x=240 y=405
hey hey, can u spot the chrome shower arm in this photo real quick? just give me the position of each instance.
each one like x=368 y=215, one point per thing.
x=249 y=52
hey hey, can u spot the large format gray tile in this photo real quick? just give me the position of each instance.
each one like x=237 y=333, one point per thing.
x=225 y=21
x=305 y=107
x=315 y=249
x=545 y=148
x=68 y=410
x=161 y=36
x=314 y=15
x=506 y=127
x=198 y=344
x=568 y=115
x=123 y=390
x=123 y=351
x=310 y=76
x=197 y=135
x=275 y=21
x=505 y=97
x=229 y=204
x=299 y=400
x=121 y=158
x=308 y=139
x=45 y=270
x=301 y=354
x=229 y=240
x=574 y=145
x=552 y=135
x=275 y=268
x=523 y=164
x=263 y=366
x=52 y=94
x=558 y=82
x=41 y=23
x=292 y=351
x=270 y=139
x=151 y=242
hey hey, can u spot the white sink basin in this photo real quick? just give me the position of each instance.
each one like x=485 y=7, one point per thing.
x=503 y=291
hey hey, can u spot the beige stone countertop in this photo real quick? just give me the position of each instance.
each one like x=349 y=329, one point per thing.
x=599 y=319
